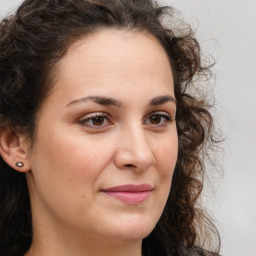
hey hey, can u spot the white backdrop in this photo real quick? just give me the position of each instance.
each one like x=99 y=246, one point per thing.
x=227 y=30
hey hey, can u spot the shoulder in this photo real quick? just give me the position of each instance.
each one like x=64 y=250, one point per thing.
x=197 y=251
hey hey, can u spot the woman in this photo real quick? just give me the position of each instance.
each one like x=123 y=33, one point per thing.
x=102 y=145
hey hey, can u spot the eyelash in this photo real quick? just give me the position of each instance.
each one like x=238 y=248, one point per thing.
x=166 y=118
x=105 y=116
x=93 y=117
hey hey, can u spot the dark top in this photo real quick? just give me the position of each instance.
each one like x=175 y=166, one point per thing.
x=197 y=252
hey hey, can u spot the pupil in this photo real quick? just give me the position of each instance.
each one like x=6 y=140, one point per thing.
x=155 y=119
x=98 y=121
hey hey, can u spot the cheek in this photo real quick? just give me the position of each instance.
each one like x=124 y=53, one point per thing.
x=166 y=157
x=75 y=160
x=65 y=173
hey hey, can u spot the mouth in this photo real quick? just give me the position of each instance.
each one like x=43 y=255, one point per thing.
x=130 y=194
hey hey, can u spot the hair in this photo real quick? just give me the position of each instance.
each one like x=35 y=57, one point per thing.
x=35 y=38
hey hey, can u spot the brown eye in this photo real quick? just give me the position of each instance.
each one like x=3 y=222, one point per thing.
x=155 y=119
x=98 y=121
x=95 y=121
x=158 y=119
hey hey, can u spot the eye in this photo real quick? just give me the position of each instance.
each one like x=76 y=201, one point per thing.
x=95 y=120
x=159 y=118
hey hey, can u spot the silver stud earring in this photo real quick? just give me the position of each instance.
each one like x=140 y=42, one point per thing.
x=19 y=164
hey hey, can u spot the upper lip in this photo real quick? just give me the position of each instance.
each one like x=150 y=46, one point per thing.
x=129 y=188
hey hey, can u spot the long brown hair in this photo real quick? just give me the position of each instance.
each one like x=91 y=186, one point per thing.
x=31 y=43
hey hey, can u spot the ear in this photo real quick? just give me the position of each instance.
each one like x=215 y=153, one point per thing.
x=13 y=149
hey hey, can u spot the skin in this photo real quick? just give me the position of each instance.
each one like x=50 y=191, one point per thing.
x=74 y=156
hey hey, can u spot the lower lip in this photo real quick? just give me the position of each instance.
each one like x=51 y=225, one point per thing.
x=130 y=197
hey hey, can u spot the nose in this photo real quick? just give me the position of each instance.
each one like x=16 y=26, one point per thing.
x=134 y=150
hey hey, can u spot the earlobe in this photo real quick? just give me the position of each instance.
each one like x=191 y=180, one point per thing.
x=12 y=151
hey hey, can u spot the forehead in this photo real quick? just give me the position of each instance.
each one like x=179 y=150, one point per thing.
x=119 y=50
x=109 y=60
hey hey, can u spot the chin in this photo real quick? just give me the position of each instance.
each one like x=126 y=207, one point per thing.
x=134 y=229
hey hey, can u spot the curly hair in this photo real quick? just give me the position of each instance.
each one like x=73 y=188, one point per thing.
x=35 y=38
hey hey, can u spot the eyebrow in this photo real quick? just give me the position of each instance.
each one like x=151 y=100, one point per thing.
x=106 y=101
x=162 y=100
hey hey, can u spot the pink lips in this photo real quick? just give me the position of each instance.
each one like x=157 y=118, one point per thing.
x=130 y=194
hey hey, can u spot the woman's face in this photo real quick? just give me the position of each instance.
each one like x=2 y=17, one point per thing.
x=106 y=140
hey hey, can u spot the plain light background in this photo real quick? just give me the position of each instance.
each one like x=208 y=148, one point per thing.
x=227 y=30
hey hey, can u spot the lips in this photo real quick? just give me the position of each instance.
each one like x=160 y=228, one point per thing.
x=129 y=194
